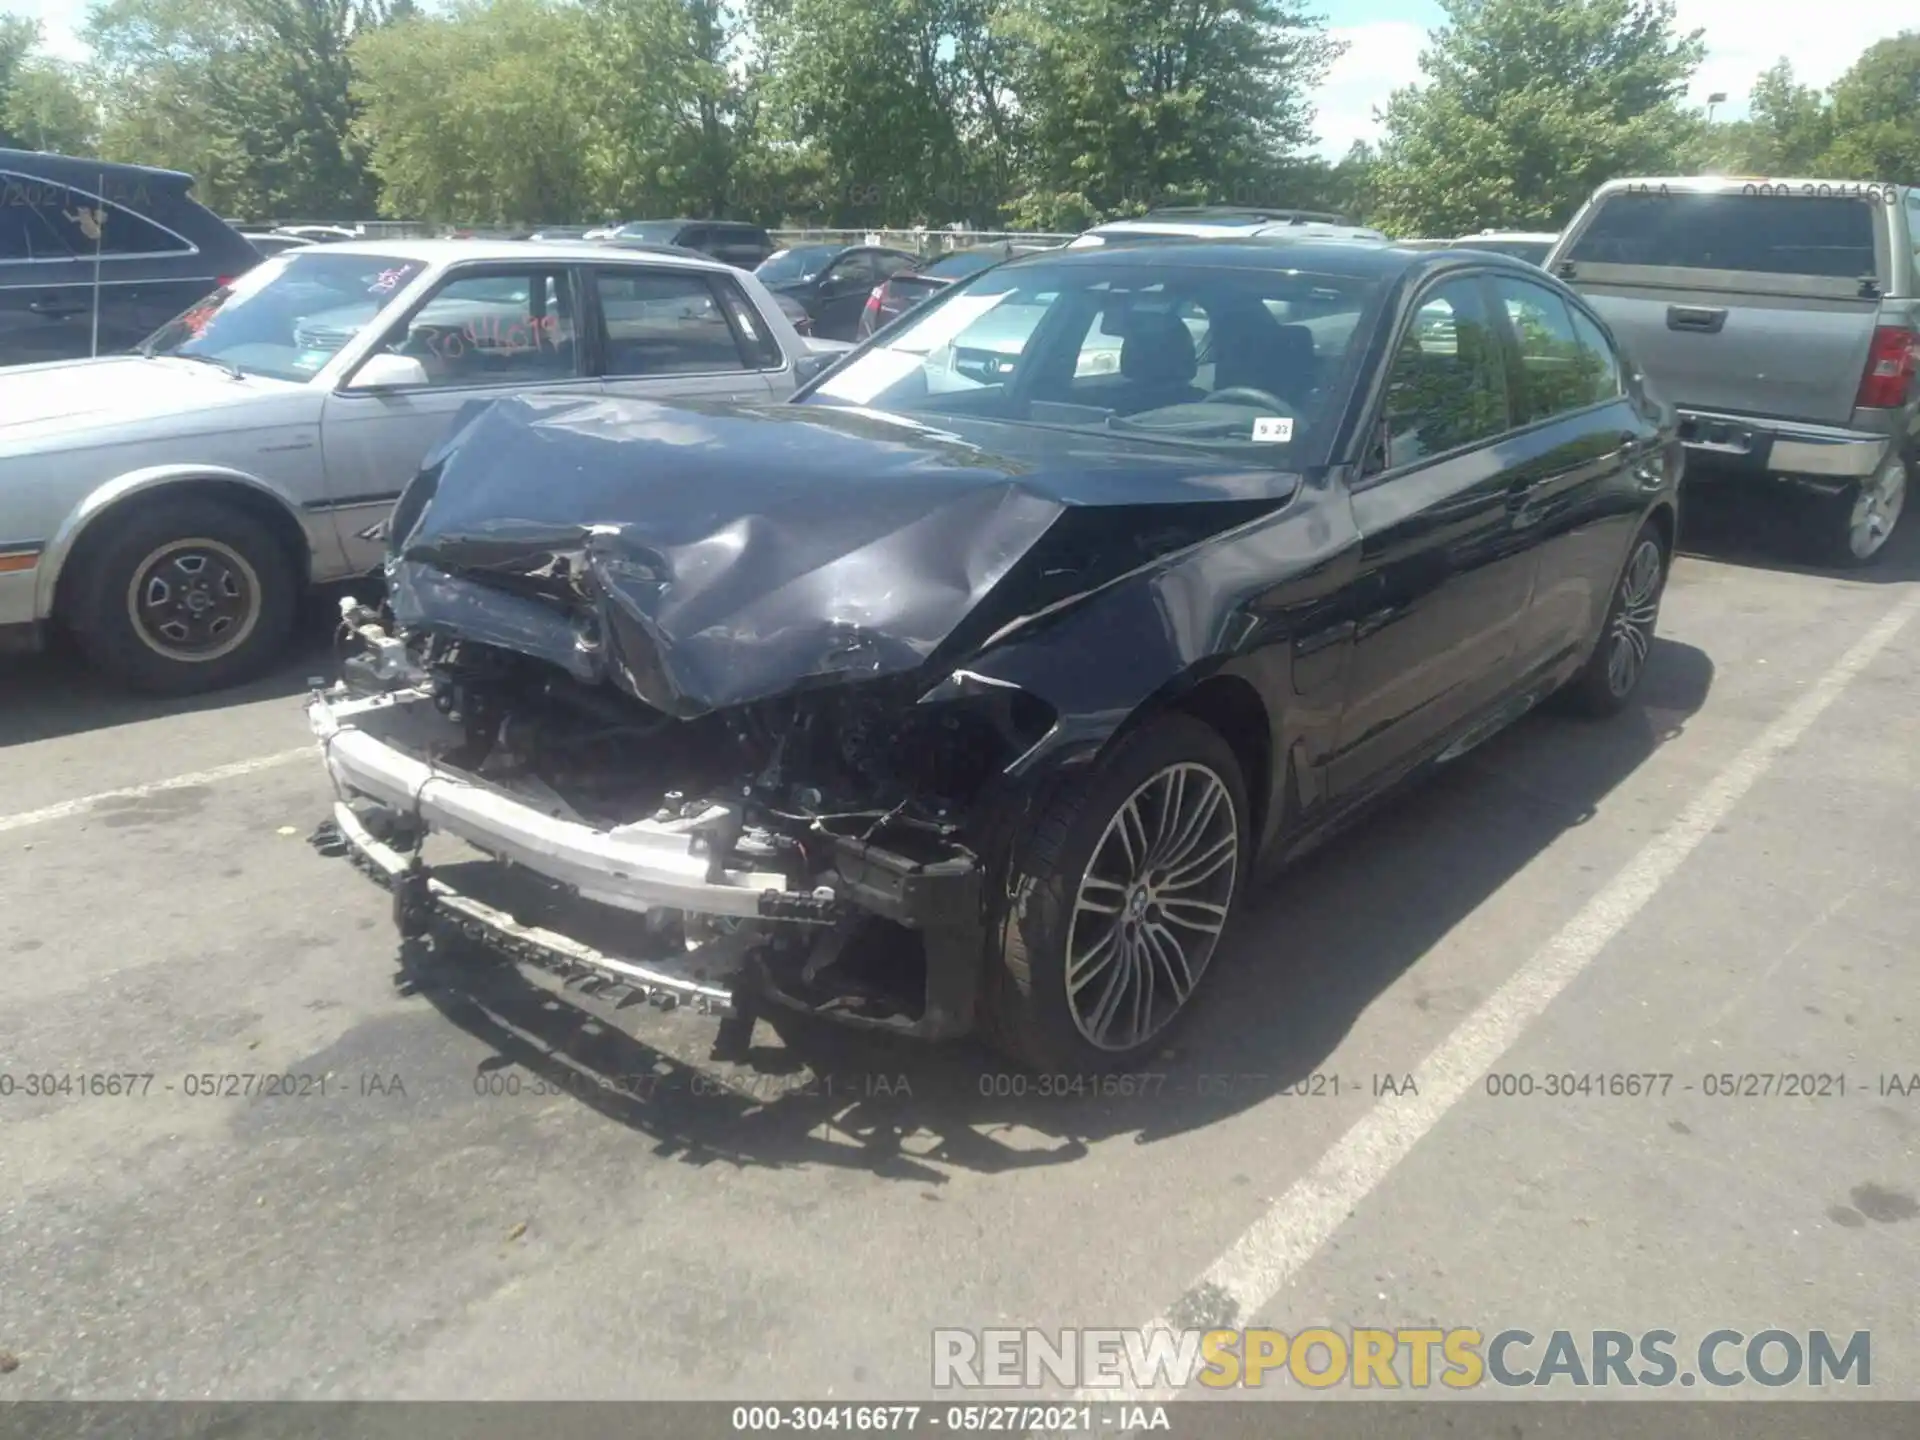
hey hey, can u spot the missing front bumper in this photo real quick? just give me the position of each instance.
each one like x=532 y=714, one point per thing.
x=597 y=891
x=423 y=903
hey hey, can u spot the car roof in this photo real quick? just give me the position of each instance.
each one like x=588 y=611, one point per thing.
x=76 y=170
x=1542 y=236
x=1147 y=227
x=1720 y=184
x=447 y=252
x=1361 y=259
x=1245 y=214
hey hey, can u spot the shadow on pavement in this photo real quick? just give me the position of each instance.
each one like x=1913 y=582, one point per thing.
x=54 y=693
x=1767 y=532
x=1296 y=970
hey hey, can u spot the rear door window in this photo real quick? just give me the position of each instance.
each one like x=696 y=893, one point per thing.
x=1561 y=369
x=1827 y=236
x=89 y=225
x=665 y=323
x=30 y=228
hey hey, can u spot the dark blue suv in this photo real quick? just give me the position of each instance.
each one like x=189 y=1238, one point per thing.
x=94 y=256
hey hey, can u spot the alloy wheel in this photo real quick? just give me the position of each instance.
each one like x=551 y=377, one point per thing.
x=1631 y=634
x=194 y=600
x=1876 y=510
x=1151 y=905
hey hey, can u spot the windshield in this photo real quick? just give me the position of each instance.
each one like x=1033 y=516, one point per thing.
x=1244 y=359
x=788 y=267
x=654 y=232
x=286 y=317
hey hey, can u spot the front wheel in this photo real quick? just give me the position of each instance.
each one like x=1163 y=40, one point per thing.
x=1115 y=905
x=184 y=596
x=1619 y=660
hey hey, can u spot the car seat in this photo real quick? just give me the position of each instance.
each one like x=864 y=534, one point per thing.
x=1157 y=363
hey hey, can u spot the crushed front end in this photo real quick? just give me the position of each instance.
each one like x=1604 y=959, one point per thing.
x=820 y=851
x=724 y=703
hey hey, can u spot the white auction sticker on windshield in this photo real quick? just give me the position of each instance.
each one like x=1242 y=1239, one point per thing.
x=1273 y=429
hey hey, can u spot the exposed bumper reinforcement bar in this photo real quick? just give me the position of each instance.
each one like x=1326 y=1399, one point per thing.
x=534 y=944
x=384 y=793
x=634 y=867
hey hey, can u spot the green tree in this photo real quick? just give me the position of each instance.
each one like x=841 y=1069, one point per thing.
x=667 y=109
x=879 y=94
x=1530 y=104
x=480 y=115
x=151 y=63
x=1876 y=114
x=1132 y=102
x=1792 y=127
x=47 y=107
x=252 y=97
x=18 y=38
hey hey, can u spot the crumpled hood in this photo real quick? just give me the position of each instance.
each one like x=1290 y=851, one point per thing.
x=68 y=396
x=703 y=556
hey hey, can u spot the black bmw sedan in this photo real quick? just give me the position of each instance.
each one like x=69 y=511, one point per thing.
x=1032 y=634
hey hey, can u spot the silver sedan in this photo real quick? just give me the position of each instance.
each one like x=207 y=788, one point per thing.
x=169 y=506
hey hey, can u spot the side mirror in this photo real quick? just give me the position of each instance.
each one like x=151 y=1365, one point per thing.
x=810 y=365
x=387 y=371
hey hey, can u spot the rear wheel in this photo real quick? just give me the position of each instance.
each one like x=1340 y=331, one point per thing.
x=1853 y=528
x=184 y=596
x=1613 y=672
x=1117 y=902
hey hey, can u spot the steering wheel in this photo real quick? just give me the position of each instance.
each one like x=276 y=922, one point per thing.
x=1247 y=395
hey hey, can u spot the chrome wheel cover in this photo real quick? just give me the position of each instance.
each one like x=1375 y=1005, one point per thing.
x=192 y=601
x=1876 y=510
x=1630 y=636
x=1150 y=906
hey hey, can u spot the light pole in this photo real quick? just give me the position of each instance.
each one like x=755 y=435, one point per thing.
x=1718 y=97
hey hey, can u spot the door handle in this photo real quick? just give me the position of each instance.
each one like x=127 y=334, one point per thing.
x=56 y=309
x=1521 y=496
x=1696 y=317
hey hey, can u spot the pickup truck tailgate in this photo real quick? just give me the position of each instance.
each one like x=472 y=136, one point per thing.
x=1795 y=357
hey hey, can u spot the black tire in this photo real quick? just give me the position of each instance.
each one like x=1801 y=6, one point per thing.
x=1027 y=1011
x=1597 y=691
x=1836 y=539
x=249 y=577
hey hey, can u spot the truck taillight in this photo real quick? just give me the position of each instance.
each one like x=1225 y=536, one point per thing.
x=873 y=300
x=1891 y=362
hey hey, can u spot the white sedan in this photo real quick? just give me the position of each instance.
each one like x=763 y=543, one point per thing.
x=169 y=507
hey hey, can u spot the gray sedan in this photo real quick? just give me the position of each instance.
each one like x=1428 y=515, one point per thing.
x=168 y=507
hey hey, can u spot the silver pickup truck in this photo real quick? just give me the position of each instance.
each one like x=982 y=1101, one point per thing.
x=1782 y=320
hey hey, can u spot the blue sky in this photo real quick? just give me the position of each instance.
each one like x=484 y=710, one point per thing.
x=1385 y=37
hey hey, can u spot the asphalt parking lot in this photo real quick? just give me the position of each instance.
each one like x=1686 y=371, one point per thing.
x=1718 y=883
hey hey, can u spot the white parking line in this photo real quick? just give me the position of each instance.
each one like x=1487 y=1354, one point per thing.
x=1275 y=1248
x=68 y=808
